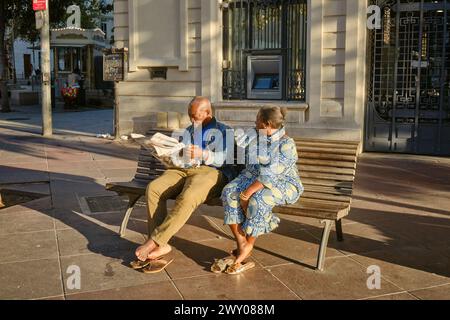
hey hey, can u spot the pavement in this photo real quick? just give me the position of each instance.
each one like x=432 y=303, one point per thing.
x=399 y=226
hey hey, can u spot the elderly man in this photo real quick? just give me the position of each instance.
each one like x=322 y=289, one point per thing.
x=191 y=185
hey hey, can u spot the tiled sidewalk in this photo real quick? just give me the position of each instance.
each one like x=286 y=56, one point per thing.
x=400 y=221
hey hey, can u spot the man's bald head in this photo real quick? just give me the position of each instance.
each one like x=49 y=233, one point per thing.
x=200 y=110
x=201 y=103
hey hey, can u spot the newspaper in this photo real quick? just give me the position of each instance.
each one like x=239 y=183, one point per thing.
x=166 y=149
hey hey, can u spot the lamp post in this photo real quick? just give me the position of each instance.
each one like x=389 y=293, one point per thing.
x=42 y=23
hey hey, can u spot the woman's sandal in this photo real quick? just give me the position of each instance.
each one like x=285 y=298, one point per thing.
x=138 y=264
x=156 y=266
x=237 y=268
x=220 y=265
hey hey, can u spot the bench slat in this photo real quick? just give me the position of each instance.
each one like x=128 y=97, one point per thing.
x=332 y=203
x=329 y=190
x=326 y=150
x=335 y=142
x=325 y=144
x=325 y=196
x=305 y=204
x=146 y=177
x=326 y=156
x=146 y=155
x=327 y=183
x=322 y=169
x=327 y=163
x=152 y=166
x=324 y=176
x=318 y=214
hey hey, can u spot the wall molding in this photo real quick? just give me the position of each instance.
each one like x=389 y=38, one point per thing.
x=135 y=58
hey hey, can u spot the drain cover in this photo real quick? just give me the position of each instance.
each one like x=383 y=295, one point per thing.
x=104 y=204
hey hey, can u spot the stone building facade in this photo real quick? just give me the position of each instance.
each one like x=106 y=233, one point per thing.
x=187 y=37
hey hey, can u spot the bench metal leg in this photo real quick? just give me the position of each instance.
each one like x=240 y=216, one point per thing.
x=339 y=233
x=132 y=201
x=323 y=244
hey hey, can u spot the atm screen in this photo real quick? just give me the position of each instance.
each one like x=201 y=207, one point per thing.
x=266 y=82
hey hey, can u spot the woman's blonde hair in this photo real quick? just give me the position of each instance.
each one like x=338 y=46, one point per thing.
x=273 y=116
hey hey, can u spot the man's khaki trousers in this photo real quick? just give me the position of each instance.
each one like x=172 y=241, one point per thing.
x=190 y=188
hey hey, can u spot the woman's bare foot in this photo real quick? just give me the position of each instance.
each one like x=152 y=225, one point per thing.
x=143 y=251
x=241 y=240
x=244 y=252
x=159 y=251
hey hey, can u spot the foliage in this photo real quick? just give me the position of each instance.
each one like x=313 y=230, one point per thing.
x=19 y=14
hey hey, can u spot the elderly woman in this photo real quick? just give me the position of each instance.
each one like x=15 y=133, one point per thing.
x=269 y=181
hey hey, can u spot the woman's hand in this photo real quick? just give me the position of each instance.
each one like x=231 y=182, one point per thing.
x=244 y=205
x=244 y=199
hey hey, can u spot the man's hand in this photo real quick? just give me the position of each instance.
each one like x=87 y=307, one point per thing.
x=195 y=152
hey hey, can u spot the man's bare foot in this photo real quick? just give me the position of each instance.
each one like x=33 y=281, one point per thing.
x=143 y=251
x=244 y=252
x=159 y=251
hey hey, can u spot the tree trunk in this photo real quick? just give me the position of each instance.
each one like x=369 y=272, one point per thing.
x=3 y=61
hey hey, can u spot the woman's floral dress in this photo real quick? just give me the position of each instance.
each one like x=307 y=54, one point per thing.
x=276 y=169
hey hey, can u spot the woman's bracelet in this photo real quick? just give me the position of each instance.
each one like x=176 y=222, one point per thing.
x=244 y=197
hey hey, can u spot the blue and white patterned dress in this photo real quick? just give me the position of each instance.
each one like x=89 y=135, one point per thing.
x=277 y=171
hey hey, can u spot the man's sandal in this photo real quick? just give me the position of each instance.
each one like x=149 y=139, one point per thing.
x=156 y=266
x=138 y=264
x=237 y=268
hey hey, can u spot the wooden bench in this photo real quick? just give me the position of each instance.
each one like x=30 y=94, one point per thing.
x=327 y=170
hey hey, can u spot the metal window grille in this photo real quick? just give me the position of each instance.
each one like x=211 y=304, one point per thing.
x=267 y=27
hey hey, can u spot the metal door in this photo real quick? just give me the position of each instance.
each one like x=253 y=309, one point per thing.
x=408 y=108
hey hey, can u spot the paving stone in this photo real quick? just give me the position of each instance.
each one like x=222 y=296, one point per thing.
x=435 y=293
x=254 y=284
x=39 y=205
x=25 y=280
x=193 y=258
x=41 y=188
x=28 y=246
x=360 y=238
x=342 y=279
x=99 y=272
x=75 y=170
x=199 y=228
x=395 y=297
x=53 y=298
x=285 y=246
x=23 y=172
x=163 y=290
x=116 y=163
x=27 y=221
x=126 y=174
x=410 y=268
x=95 y=239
